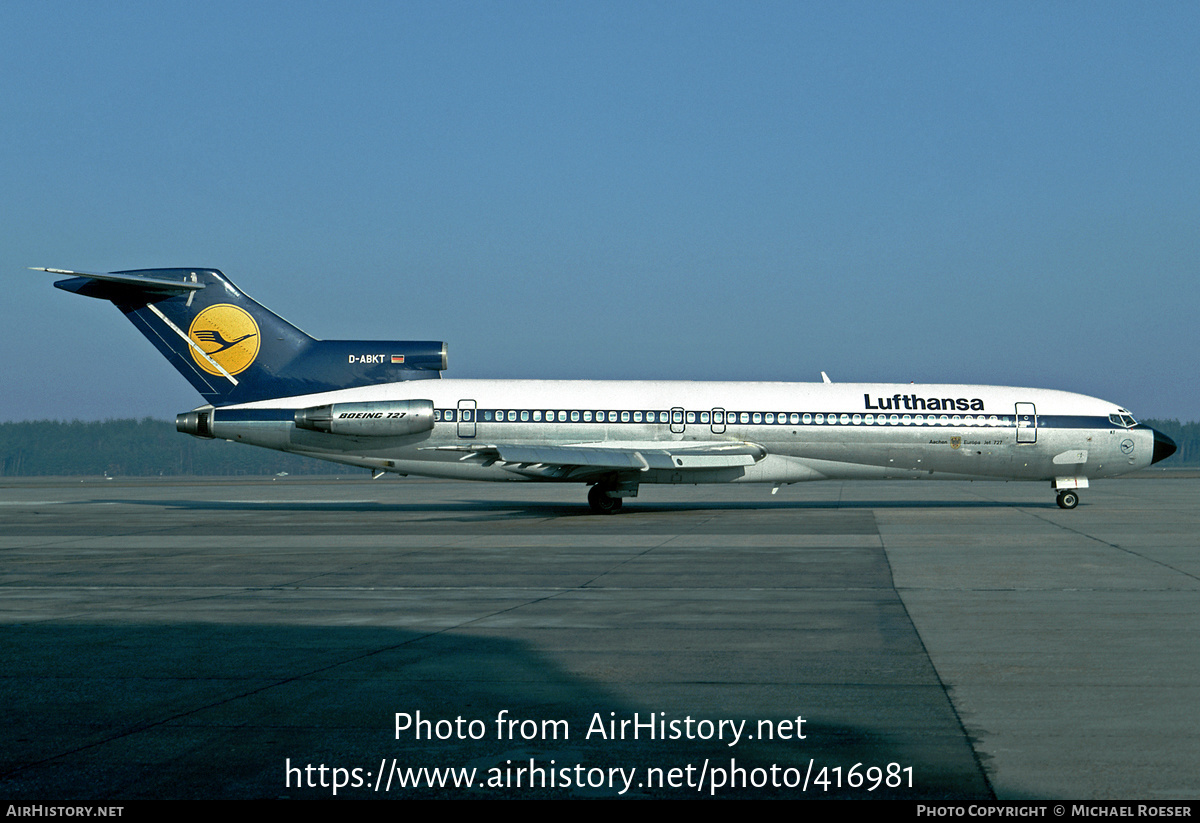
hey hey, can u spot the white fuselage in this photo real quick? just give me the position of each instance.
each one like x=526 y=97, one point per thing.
x=806 y=431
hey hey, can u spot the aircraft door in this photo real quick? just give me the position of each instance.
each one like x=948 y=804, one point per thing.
x=718 y=421
x=466 y=418
x=1026 y=423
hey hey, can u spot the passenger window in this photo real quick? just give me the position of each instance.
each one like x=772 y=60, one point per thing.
x=624 y=417
x=744 y=417
x=587 y=417
x=691 y=417
x=770 y=418
x=512 y=416
x=537 y=416
x=703 y=417
x=437 y=415
x=807 y=418
x=637 y=417
x=524 y=416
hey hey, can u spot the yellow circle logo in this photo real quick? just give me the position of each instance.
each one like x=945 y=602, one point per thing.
x=228 y=335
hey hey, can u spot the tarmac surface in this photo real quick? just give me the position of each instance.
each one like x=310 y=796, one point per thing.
x=952 y=641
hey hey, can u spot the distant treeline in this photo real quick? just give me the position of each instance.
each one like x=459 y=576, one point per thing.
x=145 y=448
x=141 y=448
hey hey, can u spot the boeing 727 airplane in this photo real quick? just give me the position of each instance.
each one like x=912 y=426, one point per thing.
x=381 y=405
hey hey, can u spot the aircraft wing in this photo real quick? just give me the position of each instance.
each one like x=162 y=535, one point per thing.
x=581 y=459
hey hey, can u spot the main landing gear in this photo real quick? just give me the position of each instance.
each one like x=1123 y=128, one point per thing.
x=1067 y=499
x=601 y=502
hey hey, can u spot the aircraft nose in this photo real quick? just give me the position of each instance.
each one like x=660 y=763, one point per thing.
x=1164 y=446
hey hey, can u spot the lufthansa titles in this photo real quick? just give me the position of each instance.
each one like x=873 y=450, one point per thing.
x=911 y=402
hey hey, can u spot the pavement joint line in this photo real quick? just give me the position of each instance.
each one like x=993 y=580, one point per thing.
x=1116 y=546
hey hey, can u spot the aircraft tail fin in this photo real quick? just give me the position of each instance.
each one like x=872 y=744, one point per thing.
x=232 y=349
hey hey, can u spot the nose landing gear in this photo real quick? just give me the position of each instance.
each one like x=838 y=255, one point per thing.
x=1067 y=499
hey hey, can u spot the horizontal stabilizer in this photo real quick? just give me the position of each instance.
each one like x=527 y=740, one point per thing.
x=141 y=282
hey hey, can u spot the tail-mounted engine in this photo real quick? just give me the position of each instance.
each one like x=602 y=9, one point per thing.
x=395 y=418
x=197 y=423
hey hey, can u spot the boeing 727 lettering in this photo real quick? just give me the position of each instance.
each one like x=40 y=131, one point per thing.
x=383 y=406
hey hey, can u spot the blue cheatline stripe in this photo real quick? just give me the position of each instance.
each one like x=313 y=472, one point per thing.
x=732 y=418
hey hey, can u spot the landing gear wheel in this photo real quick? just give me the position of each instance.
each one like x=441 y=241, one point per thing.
x=1068 y=499
x=601 y=503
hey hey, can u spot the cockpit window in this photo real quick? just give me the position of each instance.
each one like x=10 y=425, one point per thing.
x=1123 y=419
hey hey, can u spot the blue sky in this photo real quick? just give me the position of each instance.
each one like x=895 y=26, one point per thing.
x=940 y=192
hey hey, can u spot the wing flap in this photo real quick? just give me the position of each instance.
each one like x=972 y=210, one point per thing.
x=616 y=456
x=572 y=456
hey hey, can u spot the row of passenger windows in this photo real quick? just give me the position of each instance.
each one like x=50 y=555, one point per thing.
x=716 y=418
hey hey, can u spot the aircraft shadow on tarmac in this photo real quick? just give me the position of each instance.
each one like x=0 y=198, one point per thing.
x=542 y=509
x=215 y=710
